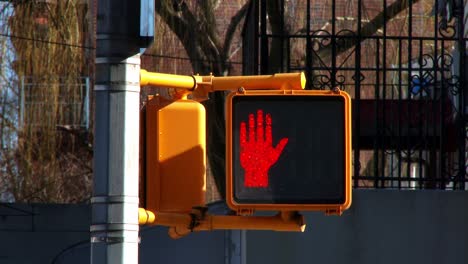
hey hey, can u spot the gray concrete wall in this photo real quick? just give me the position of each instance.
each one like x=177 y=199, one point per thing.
x=381 y=227
x=200 y=247
x=32 y=234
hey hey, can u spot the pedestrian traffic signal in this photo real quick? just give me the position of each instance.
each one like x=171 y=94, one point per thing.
x=175 y=155
x=289 y=150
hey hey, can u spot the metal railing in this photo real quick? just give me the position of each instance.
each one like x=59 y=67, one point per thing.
x=403 y=64
x=54 y=101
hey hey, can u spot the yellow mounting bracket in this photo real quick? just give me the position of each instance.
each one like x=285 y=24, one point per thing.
x=182 y=224
x=200 y=86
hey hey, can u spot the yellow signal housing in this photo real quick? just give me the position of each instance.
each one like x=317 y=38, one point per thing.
x=176 y=155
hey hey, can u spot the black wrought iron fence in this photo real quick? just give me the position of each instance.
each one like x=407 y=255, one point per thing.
x=404 y=64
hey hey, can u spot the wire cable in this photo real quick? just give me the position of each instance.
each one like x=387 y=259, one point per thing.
x=93 y=48
x=25 y=212
x=65 y=250
x=185 y=58
x=47 y=42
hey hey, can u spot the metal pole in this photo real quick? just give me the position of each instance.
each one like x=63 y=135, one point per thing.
x=114 y=229
x=114 y=224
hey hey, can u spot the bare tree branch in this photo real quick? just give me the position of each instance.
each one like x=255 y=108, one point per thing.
x=236 y=19
x=179 y=25
x=197 y=36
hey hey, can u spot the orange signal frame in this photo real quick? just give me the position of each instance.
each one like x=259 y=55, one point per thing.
x=335 y=209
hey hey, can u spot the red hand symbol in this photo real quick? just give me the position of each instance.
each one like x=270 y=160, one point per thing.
x=257 y=154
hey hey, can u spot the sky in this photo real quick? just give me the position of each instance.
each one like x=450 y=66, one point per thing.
x=9 y=102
